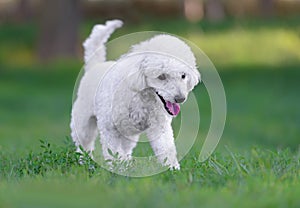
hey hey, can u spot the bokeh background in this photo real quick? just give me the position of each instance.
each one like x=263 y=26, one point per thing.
x=255 y=46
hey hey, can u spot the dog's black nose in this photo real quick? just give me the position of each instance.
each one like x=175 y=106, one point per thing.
x=179 y=99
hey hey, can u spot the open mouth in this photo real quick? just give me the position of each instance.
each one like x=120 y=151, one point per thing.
x=172 y=108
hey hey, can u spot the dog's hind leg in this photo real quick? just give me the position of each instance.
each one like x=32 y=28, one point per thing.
x=84 y=132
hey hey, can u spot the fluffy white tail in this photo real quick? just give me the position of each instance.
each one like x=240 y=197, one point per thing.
x=94 y=46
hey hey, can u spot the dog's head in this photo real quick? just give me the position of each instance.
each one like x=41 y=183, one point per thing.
x=160 y=68
x=171 y=79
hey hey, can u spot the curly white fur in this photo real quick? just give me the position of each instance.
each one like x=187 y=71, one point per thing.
x=139 y=93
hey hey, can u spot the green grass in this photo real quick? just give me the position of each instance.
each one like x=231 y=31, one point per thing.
x=257 y=163
x=52 y=177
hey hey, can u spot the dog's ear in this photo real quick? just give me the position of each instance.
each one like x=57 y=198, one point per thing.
x=153 y=65
x=148 y=66
x=136 y=81
x=194 y=79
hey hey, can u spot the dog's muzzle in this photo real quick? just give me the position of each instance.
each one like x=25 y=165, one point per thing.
x=172 y=108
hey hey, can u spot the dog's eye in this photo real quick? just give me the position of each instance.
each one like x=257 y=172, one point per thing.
x=162 y=77
x=183 y=76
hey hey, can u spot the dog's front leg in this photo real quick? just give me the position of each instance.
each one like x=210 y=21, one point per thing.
x=163 y=145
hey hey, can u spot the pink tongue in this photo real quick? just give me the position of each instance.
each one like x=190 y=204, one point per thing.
x=174 y=108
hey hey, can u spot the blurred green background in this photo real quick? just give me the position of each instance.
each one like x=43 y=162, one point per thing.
x=254 y=44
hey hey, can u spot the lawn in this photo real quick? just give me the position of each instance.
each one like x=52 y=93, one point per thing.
x=256 y=164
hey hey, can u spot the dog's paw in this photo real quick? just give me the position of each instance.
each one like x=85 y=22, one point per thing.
x=175 y=166
x=171 y=163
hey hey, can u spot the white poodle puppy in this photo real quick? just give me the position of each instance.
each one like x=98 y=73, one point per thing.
x=140 y=92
